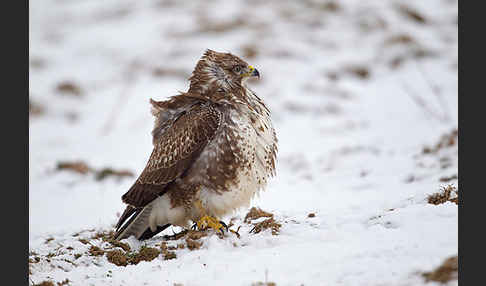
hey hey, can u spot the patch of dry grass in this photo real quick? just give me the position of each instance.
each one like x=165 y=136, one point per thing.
x=45 y=283
x=270 y=223
x=448 y=193
x=96 y=251
x=75 y=166
x=193 y=244
x=256 y=213
x=122 y=258
x=446 y=140
x=117 y=257
x=446 y=272
x=69 y=88
x=83 y=168
x=35 y=108
x=264 y=284
x=267 y=224
x=412 y=14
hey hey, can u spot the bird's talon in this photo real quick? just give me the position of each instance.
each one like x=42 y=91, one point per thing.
x=224 y=225
x=210 y=222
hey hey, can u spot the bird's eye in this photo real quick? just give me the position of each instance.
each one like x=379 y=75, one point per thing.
x=237 y=69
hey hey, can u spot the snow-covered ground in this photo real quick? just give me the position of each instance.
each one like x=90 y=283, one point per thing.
x=357 y=90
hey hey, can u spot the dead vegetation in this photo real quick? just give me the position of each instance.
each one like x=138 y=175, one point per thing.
x=359 y=71
x=264 y=284
x=124 y=256
x=446 y=140
x=399 y=39
x=117 y=257
x=79 y=167
x=270 y=223
x=83 y=168
x=121 y=258
x=144 y=254
x=35 y=108
x=107 y=172
x=446 y=272
x=193 y=244
x=256 y=213
x=96 y=251
x=64 y=282
x=448 y=193
x=45 y=283
x=448 y=178
x=412 y=14
x=166 y=252
x=267 y=224
x=69 y=88
x=50 y=283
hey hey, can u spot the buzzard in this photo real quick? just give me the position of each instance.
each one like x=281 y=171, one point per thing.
x=214 y=148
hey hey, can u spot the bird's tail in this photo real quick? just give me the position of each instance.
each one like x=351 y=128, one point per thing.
x=135 y=221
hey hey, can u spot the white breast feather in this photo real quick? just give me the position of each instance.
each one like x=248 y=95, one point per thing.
x=249 y=181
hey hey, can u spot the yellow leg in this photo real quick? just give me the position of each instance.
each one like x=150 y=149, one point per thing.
x=206 y=221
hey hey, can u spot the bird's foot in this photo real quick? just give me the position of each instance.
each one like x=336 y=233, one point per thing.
x=210 y=222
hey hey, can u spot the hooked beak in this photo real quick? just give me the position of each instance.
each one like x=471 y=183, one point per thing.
x=253 y=72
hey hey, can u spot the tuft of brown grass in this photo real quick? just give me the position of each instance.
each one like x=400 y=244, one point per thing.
x=195 y=235
x=45 y=283
x=266 y=224
x=121 y=258
x=35 y=108
x=399 y=39
x=64 y=282
x=107 y=172
x=83 y=168
x=411 y=14
x=446 y=140
x=255 y=213
x=145 y=254
x=446 y=272
x=75 y=166
x=447 y=179
x=34 y=260
x=83 y=241
x=360 y=72
x=193 y=244
x=69 y=88
x=446 y=194
x=117 y=257
x=264 y=284
x=166 y=253
x=117 y=243
x=96 y=251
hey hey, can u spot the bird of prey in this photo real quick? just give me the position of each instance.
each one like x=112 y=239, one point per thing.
x=214 y=148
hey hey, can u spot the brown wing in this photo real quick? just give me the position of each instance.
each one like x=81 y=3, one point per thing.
x=174 y=152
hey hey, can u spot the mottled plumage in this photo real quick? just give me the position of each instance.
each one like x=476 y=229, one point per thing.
x=214 y=149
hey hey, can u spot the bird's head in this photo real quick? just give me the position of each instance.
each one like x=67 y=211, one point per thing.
x=220 y=71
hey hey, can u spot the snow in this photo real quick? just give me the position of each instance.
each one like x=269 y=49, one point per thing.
x=350 y=150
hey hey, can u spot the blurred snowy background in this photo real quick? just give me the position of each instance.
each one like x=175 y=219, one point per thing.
x=364 y=100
